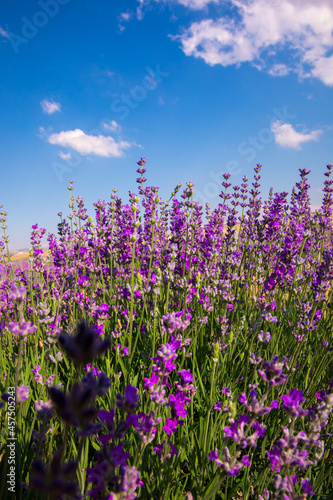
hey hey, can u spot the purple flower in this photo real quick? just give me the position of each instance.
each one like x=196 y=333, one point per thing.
x=177 y=402
x=55 y=480
x=218 y=406
x=22 y=329
x=130 y=482
x=173 y=449
x=95 y=370
x=17 y=294
x=321 y=395
x=257 y=407
x=146 y=426
x=186 y=376
x=142 y=162
x=22 y=393
x=264 y=337
x=265 y=495
x=227 y=391
x=214 y=457
x=274 y=457
x=130 y=399
x=268 y=317
x=44 y=410
x=272 y=372
x=307 y=487
x=159 y=448
x=104 y=307
x=170 y=426
x=255 y=360
x=236 y=430
x=172 y=322
x=293 y=402
x=150 y=382
x=118 y=456
x=85 y=345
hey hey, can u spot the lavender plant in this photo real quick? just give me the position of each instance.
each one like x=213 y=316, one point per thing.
x=152 y=355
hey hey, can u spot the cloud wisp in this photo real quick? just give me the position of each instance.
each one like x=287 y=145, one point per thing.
x=113 y=126
x=4 y=33
x=49 y=106
x=65 y=156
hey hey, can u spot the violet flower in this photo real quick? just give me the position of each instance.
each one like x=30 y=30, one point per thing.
x=272 y=372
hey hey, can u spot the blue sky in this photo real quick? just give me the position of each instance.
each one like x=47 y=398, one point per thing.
x=198 y=87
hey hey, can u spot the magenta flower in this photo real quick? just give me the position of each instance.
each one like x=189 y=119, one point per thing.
x=170 y=426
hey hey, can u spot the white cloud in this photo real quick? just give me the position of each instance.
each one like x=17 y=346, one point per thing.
x=85 y=144
x=262 y=32
x=124 y=17
x=286 y=136
x=324 y=70
x=279 y=70
x=196 y=4
x=50 y=106
x=65 y=156
x=41 y=132
x=4 y=33
x=113 y=126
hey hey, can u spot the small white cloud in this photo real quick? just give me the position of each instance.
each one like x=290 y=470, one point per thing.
x=139 y=13
x=286 y=136
x=4 y=33
x=279 y=70
x=125 y=16
x=49 y=106
x=41 y=132
x=113 y=126
x=85 y=144
x=196 y=4
x=161 y=101
x=65 y=156
x=190 y=4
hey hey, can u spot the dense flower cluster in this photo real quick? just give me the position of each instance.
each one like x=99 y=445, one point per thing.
x=150 y=354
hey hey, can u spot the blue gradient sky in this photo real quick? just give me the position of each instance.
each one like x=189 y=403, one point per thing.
x=198 y=87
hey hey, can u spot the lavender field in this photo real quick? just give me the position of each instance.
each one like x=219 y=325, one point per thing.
x=150 y=355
